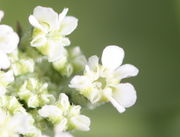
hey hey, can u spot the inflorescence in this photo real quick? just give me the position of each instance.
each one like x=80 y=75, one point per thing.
x=45 y=82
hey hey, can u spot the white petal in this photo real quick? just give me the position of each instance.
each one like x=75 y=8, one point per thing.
x=50 y=110
x=108 y=94
x=1 y=14
x=38 y=41
x=2 y=91
x=79 y=82
x=63 y=134
x=125 y=94
x=94 y=96
x=92 y=75
x=47 y=16
x=34 y=22
x=7 y=77
x=24 y=123
x=64 y=101
x=65 y=41
x=8 y=39
x=76 y=51
x=4 y=61
x=3 y=115
x=62 y=15
x=68 y=25
x=56 y=52
x=44 y=136
x=112 y=57
x=80 y=61
x=33 y=101
x=81 y=122
x=61 y=126
x=116 y=104
x=126 y=71
x=75 y=110
x=93 y=62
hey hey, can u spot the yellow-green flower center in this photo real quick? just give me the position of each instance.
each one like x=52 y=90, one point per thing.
x=101 y=82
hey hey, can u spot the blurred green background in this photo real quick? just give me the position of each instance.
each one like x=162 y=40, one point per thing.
x=148 y=30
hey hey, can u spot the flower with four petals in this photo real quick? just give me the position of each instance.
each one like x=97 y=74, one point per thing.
x=101 y=83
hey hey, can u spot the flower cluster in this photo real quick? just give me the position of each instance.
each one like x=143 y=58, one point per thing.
x=45 y=82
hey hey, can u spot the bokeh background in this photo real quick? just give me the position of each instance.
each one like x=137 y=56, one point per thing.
x=148 y=30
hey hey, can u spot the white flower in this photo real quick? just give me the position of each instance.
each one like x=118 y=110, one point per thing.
x=50 y=31
x=21 y=63
x=25 y=124
x=73 y=61
x=23 y=66
x=101 y=83
x=13 y=126
x=35 y=93
x=8 y=43
x=50 y=111
x=4 y=61
x=11 y=105
x=5 y=79
x=7 y=125
x=65 y=116
x=60 y=134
